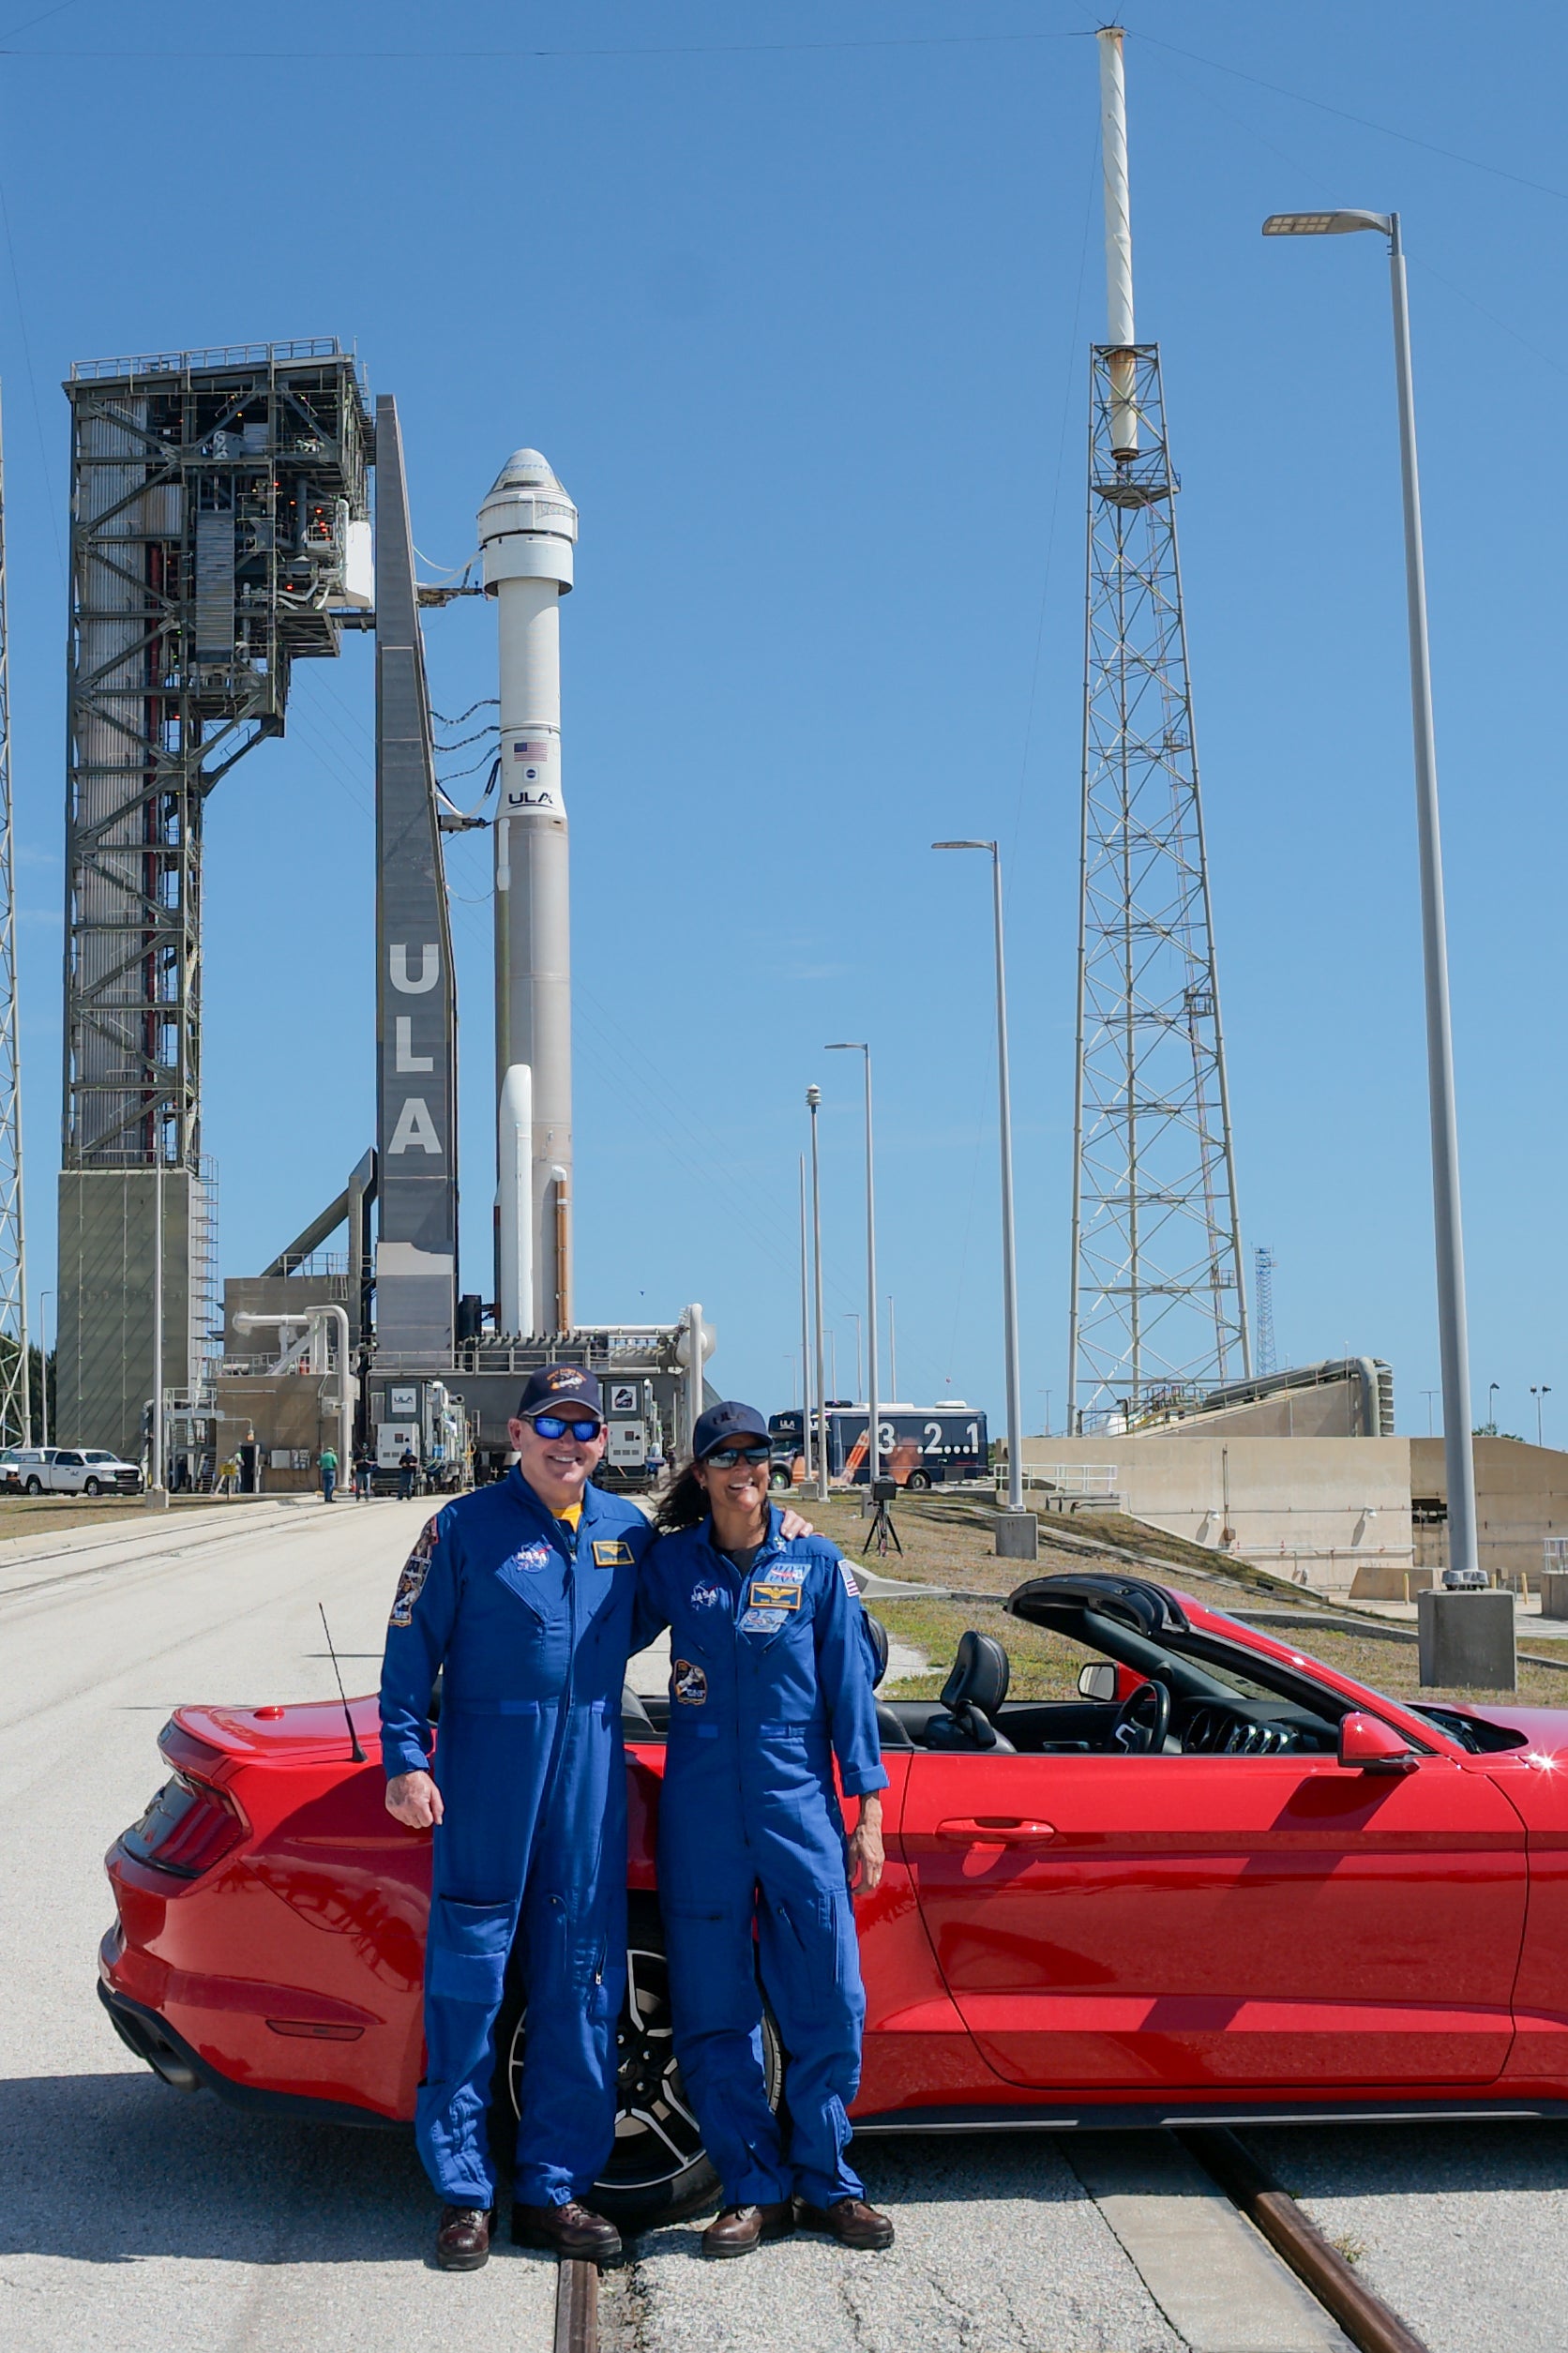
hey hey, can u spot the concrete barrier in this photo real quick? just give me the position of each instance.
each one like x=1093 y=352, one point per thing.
x=1554 y=1593
x=1017 y=1536
x=1467 y=1640
x=1390 y=1581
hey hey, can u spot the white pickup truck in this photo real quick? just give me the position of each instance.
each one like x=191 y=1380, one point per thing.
x=68 y=1470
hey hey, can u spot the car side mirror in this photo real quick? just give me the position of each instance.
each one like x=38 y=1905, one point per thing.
x=1367 y=1744
x=1098 y=1681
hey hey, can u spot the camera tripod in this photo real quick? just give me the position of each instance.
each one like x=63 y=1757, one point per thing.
x=880 y=1529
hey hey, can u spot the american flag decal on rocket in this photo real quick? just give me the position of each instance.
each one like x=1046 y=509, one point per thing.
x=530 y=752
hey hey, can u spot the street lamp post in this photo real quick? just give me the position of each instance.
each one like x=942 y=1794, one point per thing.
x=1454 y=1342
x=1492 y=1388
x=1540 y=1394
x=43 y=1369
x=805 y=1338
x=873 y=1412
x=1009 y=1254
x=813 y=1097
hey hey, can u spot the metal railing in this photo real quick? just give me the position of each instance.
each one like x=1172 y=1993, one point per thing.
x=217 y=355
x=1072 y=1478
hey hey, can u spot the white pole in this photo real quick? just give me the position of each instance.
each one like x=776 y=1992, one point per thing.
x=1119 y=241
x=813 y=1097
x=43 y=1369
x=1452 y=1330
x=154 y=1435
x=805 y=1338
x=873 y=1412
x=1009 y=1248
x=873 y=1441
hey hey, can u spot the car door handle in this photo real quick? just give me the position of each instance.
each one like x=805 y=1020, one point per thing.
x=996 y=1830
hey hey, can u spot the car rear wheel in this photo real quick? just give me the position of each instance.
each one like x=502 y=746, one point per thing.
x=35 y=1485
x=918 y=1481
x=93 y=1487
x=659 y=2170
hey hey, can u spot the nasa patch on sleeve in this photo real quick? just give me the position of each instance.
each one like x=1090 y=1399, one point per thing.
x=688 y=1683
x=416 y=1568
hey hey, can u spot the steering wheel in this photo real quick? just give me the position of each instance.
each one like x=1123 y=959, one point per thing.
x=1142 y=1720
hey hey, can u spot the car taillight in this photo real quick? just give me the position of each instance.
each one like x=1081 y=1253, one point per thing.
x=187 y=1829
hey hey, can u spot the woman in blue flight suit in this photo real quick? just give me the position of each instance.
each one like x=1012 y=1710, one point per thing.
x=771 y=1677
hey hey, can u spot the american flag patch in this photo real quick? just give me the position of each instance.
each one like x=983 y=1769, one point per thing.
x=530 y=751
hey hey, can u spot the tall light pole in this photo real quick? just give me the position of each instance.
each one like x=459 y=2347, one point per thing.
x=1540 y=1394
x=43 y=1369
x=1453 y=1334
x=805 y=1338
x=850 y=1317
x=813 y=1097
x=873 y=1415
x=1009 y=1254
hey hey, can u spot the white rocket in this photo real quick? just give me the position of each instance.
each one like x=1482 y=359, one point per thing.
x=527 y=533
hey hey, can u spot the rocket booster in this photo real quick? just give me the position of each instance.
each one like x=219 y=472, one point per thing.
x=527 y=533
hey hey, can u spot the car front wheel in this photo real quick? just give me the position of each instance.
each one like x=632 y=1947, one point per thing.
x=659 y=2170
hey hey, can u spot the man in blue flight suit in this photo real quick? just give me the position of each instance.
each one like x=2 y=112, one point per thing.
x=771 y=1678
x=523 y=1593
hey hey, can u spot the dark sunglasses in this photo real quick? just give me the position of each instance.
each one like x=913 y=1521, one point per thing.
x=552 y=1426
x=726 y=1458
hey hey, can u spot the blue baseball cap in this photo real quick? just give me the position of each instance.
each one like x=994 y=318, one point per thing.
x=564 y=1389
x=722 y=1424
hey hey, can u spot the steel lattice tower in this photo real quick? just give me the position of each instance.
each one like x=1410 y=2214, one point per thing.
x=218 y=508
x=15 y=1387
x=1158 y=1303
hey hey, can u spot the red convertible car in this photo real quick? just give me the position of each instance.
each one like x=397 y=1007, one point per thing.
x=1222 y=1883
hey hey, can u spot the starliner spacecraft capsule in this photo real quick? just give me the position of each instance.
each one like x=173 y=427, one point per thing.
x=527 y=533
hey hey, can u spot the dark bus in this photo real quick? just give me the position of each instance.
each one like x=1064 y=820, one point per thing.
x=921 y=1445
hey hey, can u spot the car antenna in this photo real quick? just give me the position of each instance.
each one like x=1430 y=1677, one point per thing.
x=355 y=1750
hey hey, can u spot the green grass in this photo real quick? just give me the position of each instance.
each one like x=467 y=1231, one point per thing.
x=1044 y=1666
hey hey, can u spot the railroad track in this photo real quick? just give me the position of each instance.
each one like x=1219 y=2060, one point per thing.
x=1350 y=2311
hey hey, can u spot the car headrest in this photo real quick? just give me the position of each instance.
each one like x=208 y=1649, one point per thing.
x=980 y=1674
x=876 y=1637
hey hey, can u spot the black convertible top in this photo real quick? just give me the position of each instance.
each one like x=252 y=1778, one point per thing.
x=1129 y=1601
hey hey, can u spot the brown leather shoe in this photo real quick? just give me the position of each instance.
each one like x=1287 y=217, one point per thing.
x=577 y=2234
x=849 y=2220
x=740 y=2228
x=462 y=2238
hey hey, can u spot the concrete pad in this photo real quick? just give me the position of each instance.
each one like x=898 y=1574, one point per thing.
x=1216 y=2280
x=998 y=2251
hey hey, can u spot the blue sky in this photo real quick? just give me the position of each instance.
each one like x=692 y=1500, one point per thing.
x=797 y=301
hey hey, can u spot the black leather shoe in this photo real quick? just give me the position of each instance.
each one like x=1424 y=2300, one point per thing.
x=740 y=2228
x=849 y=2220
x=577 y=2234
x=463 y=2238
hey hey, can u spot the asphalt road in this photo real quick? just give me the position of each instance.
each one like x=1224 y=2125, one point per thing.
x=132 y=2217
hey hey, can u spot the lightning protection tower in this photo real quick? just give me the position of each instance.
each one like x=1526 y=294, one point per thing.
x=15 y=1397
x=1158 y=1304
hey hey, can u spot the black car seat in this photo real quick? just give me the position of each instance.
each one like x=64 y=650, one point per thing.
x=971 y=1698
